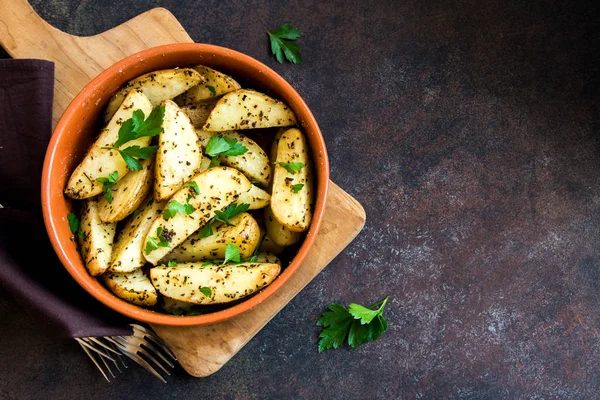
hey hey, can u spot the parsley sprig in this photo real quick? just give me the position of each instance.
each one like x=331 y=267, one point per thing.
x=134 y=128
x=74 y=225
x=357 y=325
x=232 y=255
x=108 y=184
x=282 y=44
x=224 y=145
x=154 y=243
x=292 y=167
x=297 y=187
x=224 y=216
x=174 y=207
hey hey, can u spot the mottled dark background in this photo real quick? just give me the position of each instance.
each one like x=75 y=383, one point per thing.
x=469 y=131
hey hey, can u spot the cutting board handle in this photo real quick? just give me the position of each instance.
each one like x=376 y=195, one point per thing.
x=22 y=28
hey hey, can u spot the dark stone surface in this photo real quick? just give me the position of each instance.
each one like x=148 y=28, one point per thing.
x=469 y=132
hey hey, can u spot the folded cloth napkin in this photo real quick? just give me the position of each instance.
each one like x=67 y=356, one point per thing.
x=30 y=271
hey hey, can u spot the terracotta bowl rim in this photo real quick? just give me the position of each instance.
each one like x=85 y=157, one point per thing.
x=73 y=111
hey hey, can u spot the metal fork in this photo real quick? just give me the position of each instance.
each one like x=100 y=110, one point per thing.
x=144 y=347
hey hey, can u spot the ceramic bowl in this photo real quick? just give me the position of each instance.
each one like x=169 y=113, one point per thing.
x=80 y=122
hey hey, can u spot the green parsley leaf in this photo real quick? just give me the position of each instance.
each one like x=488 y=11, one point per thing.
x=154 y=243
x=212 y=90
x=214 y=162
x=136 y=213
x=224 y=145
x=208 y=262
x=205 y=290
x=137 y=127
x=206 y=230
x=172 y=264
x=357 y=324
x=292 y=167
x=230 y=211
x=297 y=187
x=74 y=225
x=132 y=154
x=193 y=187
x=174 y=207
x=365 y=314
x=232 y=253
x=107 y=184
x=282 y=45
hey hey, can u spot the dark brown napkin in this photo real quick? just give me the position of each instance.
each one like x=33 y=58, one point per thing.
x=29 y=269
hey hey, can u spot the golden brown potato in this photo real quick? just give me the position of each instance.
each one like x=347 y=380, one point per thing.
x=157 y=86
x=243 y=233
x=280 y=235
x=218 y=187
x=134 y=287
x=219 y=82
x=128 y=250
x=291 y=190
x=99 y=162
x=179 y=153
x=212 y=284
x=254 y=163
x=128 y=193
x=97 y=239
x=248 y=109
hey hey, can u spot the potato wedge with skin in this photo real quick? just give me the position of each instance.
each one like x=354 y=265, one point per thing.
x=227 y=282
x=292 y=207
x=269 y=258
x=256 y=197
x=280 y=235
x=219 y=187
x=254 y=163
x=97 y=241
x=199 y=112
x=99 y=162
x=243 y=233
x=220 y=83
x=177 y=307
x=128 y=193
x=269 y=246
x=128 y=250
x=248 y=109
x=158 y=85
x=179 y=153
x=133 y=287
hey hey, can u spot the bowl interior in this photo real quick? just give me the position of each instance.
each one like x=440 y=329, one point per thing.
x=79 y=125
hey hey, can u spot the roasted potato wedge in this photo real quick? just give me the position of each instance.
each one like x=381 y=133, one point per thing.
x=128 y=250
x=248 y=109
x=134 y=287
x=179 y=153
x=291 y=190
x=177 y=307
x=219 y=82
x=128 y=193
x=227 y=282
x=280 y=235
x=254 y=163
x=159 y=85
x=269 y=246
x=199 y=112
x=268 y=258
x=243 y=233
x=97 y=239
x=99 y=162
x=256 y=197
x=218 y=188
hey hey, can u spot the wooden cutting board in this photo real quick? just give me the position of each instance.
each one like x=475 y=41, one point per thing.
x=203 y=350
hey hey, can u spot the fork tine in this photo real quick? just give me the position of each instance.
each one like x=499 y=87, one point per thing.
x=144 y=364
x=159 y=353
x=93 y=359
x=83 y=342
x=98 y=342
x=154 y=337
x=139 y=350
x=108 y=367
